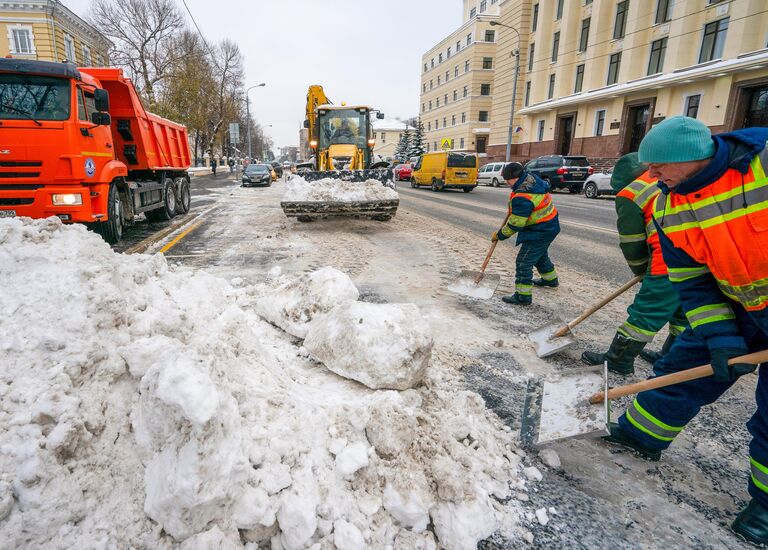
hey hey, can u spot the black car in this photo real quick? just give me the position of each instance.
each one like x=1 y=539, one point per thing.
x=278 y=168
x=562 y=172
x=257 y=174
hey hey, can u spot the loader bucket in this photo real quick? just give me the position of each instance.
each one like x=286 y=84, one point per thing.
x=384 y=175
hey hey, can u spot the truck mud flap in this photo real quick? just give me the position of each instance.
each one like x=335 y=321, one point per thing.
x=307 y=211
x=384 y=175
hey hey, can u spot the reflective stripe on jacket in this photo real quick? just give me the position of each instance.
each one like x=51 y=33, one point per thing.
x=531 y=212
x=642 y=192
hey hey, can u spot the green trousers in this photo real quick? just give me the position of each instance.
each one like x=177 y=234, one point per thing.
x=655 y=305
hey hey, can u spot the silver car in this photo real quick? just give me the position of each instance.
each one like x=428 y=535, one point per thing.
x=598 y=184
x=490 y=174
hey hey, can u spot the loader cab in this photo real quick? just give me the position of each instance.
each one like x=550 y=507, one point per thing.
x=344 y=137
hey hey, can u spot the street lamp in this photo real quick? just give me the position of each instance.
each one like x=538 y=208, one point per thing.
x=516 y=53
x=248 y=115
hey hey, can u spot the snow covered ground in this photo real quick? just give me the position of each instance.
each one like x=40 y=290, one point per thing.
x=149 y=406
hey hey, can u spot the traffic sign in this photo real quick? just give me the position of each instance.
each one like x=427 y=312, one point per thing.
x=234 y=133
x=446 y=143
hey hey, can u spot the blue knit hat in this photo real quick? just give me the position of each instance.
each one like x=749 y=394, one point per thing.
x=677 y=139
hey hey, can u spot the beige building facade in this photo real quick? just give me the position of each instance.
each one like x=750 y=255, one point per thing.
x=47 y=30
x=457 y=79
x=603 y=72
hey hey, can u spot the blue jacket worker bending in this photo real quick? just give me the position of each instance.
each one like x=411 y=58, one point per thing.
x=533 y=217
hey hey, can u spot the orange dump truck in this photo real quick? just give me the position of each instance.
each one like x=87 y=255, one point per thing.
x=77 y=143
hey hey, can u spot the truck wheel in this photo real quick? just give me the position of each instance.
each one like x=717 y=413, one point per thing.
x=183 y=196
x=112 y=229
x=414 y=184
x=467 y=189
x=168 y=210
x=435 y=187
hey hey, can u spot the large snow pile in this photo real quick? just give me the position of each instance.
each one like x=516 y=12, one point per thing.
x=380 y=345
x=142 y=407
x=336 y=190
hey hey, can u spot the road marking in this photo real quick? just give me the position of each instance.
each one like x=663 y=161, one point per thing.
x=158 y=236
x=180 y=236
x=588 y=226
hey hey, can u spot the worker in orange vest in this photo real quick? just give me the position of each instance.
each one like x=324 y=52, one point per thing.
x=712 y=222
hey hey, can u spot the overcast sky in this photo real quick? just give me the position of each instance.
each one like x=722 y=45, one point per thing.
x=359 y=51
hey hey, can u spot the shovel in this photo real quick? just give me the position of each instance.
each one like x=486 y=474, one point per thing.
x=477 y=284
x=574 y=404
x=555 y=337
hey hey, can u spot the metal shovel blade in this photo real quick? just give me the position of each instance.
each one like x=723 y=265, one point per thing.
x=557 y=407
x=545 y=344
x=465 y=285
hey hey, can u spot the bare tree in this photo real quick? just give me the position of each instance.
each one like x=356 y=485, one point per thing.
x=143 y=32
x=229 y=94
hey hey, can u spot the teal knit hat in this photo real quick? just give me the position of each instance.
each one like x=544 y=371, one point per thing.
x=677 y=139
x=627 y=170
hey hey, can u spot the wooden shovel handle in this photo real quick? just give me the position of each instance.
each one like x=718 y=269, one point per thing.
x=599 y=305
x=485 y=263
x=675 y=378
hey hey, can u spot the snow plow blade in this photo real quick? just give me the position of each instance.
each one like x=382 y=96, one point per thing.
x=384 y=175
x=308 y=211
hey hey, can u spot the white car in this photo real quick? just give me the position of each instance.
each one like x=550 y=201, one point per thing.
x=490 y=174
x=598 y=184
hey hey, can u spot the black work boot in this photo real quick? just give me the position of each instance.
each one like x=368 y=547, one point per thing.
x=752 y=523
x=554 y=283
x=653 y=356
x=620 y=438
x=517 y=299
x=620 y=356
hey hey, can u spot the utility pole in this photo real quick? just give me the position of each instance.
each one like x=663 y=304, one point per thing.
x=248 y=115
x=516 y=53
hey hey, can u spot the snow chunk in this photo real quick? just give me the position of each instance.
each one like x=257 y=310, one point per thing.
x=351 y=459
x=462 y=525
x=295 y=303
x=347 y=537
x=541 y=516
x=550 y=458
x=213 y=539
x=336 y=190
x=533 y=473
x=379 y=345
x=409 y=509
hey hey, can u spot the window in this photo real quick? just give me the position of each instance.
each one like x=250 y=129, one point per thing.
x=439 y=58
x=692 y=105
x=419 y=162
x=447 y=76
x=466 y=91
x=472 y=13
x=449 y=52
x=461 y=143
x=599 y=122
x=445 y=122
x=527 y=93
x=22 y=41
x=81 y=113
x=429 y=126
x=485 y=89
x=466 y=66
x=463 y=118
x=535 y=18
x=456 y=71
x=469 y=39
x=714 y=39
x=430 y=104
x=490 y=36
x=432 y=63
x=483 y=5
x=555 y=46
x=487 y=63
x=613 y=68
x=69 y=48
x=620 y=25
x=445 y=99
x=437 y=124
x=424 y=88
x=455 y=95
x=584 y=38
x=579 y=79
x=559 y=12
x=425 y=68
x=530 y=57
x=423 y=107
x=663 y=11
x=656 y=62
x=551 y=90
x=437 y=102
x=540 y=131
x=430 y=84
x=458 y=46
x=483 y=116
x=438 y=80
x=383 y=137
x=453 y=120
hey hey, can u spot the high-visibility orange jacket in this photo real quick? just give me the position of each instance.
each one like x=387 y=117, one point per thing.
x=713 y=231
x=637 y=233
x=531 y=213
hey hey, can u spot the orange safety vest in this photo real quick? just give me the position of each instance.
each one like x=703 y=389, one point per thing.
x=724 y=227
x=643 y=192
x=543 y=208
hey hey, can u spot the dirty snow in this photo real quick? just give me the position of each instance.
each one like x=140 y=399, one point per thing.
x=145 y=406
x=336 y=190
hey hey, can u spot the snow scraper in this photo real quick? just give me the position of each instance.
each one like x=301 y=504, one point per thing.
x=477 y=284
x=555 y=337
x=574 y=404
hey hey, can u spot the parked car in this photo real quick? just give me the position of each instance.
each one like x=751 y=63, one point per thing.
x=278 y=168
x=490 y=174
x=598 y=184
x=562 y=172
x=257 y=174
x=442 y=170
x=403 y=172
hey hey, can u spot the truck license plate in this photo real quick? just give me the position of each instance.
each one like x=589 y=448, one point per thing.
x=462 y=174
x=7 y=213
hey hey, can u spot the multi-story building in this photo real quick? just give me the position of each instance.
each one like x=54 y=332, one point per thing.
x=457 y=77
x=387 y=133
x=603 y=72
x=48 y=31
x=304 y=152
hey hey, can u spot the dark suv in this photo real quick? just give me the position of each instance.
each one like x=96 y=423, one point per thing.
x=562 y=172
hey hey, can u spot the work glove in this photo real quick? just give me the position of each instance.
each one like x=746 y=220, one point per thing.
x=729 y=373
x=495 y=236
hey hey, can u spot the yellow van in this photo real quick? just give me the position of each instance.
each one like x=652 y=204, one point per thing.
x=446 y=170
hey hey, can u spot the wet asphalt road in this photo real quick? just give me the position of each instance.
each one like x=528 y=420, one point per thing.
x=588 y=240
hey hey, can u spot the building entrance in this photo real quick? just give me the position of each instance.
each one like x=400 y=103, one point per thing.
x=757 y=109
x=565 y=126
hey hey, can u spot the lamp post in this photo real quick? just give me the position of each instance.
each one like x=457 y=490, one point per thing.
x=516 y=53
x=248 y=115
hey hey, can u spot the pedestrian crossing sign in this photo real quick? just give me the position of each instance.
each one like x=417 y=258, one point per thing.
x=446 y=143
